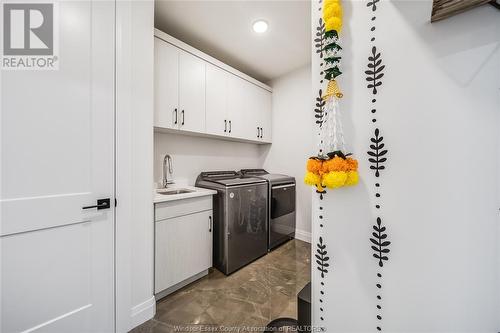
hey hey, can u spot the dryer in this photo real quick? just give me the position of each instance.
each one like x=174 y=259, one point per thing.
x=282 y=200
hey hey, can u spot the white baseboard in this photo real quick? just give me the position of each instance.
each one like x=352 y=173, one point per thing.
x=142 y=312
x=303 y=235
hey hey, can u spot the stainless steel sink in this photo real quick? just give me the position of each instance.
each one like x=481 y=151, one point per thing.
x=174 y=191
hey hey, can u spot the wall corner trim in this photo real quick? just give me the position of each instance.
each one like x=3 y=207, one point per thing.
x=303 y=235
x=142 y=312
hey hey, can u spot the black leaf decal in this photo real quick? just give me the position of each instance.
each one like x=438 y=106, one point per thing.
x=373 y=4
x=379 y=243
x=375 y=71
x=319 y=109
x=319 y=38
x=377 y=153
x=322 y=257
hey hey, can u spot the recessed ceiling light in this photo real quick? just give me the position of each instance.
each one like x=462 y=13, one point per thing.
x=260 y=26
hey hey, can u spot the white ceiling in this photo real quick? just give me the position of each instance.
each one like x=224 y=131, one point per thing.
x=223 y=29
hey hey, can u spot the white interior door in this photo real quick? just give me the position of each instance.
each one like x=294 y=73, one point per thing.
x=57 y=156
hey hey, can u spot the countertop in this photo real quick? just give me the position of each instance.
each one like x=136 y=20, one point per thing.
x=198 y=192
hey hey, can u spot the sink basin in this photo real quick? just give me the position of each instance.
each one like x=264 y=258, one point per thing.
x=174 y=191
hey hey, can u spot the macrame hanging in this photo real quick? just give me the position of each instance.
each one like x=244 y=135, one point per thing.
x=332 y=167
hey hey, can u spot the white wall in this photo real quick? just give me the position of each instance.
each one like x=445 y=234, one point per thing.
x=292 y=122
x=438 y=109
x=134 y=164
x=192 y=155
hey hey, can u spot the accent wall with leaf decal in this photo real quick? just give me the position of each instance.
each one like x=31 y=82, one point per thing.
x=418 y=235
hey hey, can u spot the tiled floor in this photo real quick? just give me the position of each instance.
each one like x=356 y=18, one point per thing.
x=251 y=297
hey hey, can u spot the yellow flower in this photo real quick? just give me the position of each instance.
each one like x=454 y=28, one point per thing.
x=334 y=23
x=334 y=179
x=312 y=179
x=352 y=178
x=328 y=3
x=333 y=10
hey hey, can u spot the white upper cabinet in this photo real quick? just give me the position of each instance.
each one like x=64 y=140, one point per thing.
x=264 y=115
x=236 y=108
x=166 y=85
x=217 y=116
x=191 y=93
x=236 y=104
x=199 y=94
x=179 y=89
x=257 y=113
x=250 y=110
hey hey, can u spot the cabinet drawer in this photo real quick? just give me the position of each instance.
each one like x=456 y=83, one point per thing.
x=170 y=209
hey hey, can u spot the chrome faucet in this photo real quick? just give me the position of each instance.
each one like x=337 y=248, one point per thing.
x=167 y=162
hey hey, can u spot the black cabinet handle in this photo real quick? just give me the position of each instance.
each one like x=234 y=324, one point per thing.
x=101 y=204
x=258 y=131
x=261 y=132
x=225 y=125
x=230 y=126
x=210 y=224
x=182 y=118
x=175 y=110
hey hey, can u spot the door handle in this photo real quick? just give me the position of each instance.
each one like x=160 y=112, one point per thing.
x=210 y=224
x=182 y=118
x=175 y=122
x=225 y=125
x=230 y=126
x=101 y=204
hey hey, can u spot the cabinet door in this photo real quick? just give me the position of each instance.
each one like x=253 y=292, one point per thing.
x=183 y=248
x=216 y=106
x=240 y=108
x=235 y=106
x=191 y=92
x=264 y=117
x=166 y=85
x=253 y=111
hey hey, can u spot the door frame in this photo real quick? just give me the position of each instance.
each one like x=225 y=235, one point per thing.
x=134 y=232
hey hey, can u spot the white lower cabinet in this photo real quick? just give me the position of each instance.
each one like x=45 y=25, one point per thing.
x=183 y=242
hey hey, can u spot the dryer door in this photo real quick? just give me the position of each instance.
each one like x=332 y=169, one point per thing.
x=282 y=222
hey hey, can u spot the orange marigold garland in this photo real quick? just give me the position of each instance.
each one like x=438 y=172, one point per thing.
x=336 y=168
